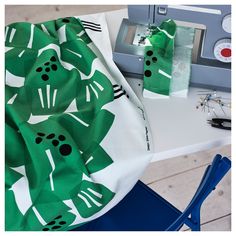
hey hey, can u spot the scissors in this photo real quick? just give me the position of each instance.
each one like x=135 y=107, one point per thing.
x=220 y=123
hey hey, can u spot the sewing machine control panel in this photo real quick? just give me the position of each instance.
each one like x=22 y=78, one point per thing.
x=222 y=48
x=216 y=19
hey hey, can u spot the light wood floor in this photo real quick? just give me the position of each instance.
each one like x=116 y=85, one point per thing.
x=40 y=13
x=175 y=179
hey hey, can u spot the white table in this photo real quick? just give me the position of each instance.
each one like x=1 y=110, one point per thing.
x=177 y=127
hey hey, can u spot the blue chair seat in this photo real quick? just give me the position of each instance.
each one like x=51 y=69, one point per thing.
x=142 y=209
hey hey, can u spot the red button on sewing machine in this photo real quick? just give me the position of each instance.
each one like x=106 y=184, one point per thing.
x=226 y=52
x=222 y=50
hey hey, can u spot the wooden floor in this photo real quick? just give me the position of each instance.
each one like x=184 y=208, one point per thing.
x=175 y=179
x=40 y=13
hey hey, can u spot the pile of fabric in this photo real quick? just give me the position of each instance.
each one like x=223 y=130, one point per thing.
x=77 y=139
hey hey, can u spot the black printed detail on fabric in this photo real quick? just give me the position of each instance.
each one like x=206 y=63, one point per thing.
x=54 y=224
x=54 y=67
x=56 y=227
x=53 y=58
x=119 y=91
x=50 y=136
x=65 y=20
x=91 y=26
x=62 y=222
x=55 y=142
x=38 y=140
x=149 y=53
x=39 y=69
x=90 y=22
x=58 y=217
x=148 y=73
x=147 y=139
x=98 y=30
x=154 y=59
x=65 y=149
x=47 y=67
x=45 y=77
x=121 y=94
x=142 y=111
x=61 y=137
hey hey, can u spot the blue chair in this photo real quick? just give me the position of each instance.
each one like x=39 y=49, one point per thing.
x=144 y=210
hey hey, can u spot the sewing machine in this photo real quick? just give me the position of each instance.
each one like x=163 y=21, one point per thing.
x=211 y=62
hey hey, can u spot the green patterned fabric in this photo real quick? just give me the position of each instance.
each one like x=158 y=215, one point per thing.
x=59 y=99
x=159 y=51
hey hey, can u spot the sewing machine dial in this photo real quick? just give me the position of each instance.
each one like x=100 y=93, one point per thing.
x=226 y=23
x=222 y=50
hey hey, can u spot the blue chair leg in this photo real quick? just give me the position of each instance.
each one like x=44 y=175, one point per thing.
x=195 y=217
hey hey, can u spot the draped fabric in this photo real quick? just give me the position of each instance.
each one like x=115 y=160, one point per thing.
x=77 y=139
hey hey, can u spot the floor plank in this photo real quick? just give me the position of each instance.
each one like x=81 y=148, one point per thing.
x=220 y=224
x=170 y=167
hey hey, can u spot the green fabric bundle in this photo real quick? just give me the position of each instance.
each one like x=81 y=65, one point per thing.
x=159 y=52
x=68 y=139
x=48 y=141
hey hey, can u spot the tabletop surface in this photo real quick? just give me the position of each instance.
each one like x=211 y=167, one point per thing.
x=177 y=127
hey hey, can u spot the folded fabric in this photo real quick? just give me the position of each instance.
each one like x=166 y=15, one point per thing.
x=158 y=58
x=76 y=135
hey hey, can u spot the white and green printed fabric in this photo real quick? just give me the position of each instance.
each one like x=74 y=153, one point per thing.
x=158 y=59
x=76 y=135
x=168 y=56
